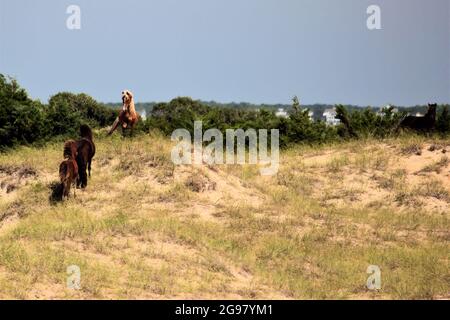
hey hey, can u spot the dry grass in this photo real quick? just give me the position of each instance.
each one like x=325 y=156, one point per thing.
x=436 y=166
x=146 y=229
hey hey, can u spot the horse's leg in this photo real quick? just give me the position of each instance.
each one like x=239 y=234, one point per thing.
x=132 y=125
x=65 y=191
x=89 y=167
x=84 y=178
x=124 y=132
x=78 y=179
x=114 y=126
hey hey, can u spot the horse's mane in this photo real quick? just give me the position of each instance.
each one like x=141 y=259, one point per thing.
x=431 y=112
x=70 y=148
x=85 y=132
x=131 y=108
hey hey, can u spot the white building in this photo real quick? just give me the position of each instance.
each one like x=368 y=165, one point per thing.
x=387 y=107
x=143 y=114
x=281 y=113
x=330 y=117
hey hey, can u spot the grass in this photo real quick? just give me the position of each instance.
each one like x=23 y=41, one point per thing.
x=437 y=166
x=434 y=189
x=146 y=229
x=337 y=163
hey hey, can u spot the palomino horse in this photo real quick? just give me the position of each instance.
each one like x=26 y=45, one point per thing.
x=127 y=117
x=68 y=169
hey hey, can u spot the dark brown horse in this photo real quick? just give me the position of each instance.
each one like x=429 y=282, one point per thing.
x=68 y=169
x=86 y=151
x=425 y=123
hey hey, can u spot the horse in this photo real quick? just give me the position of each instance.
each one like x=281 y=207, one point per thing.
x=86 y=151
x=425 y=123
x=68 y=169
x=128 y=116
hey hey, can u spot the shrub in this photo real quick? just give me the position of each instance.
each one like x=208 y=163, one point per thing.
x=443 y=122
x=24 y=121
x=21 y=119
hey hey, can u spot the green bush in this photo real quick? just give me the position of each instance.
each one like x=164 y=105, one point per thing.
x=22 y=120
x=86 y=108
x=443 y=122
x=25 y=121
x=367 y=123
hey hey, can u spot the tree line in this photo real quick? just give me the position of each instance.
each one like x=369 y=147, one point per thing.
x=317 y=108
x=296 y=128
x=27 y=121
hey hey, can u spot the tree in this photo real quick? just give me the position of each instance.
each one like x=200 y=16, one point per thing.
x=88 y=108
x=443 y=121
x=344 y=117
x=21 y=119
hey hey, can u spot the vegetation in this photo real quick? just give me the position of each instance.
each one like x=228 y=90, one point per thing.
x=146 y=229
x=317 y=108
x=26 y=121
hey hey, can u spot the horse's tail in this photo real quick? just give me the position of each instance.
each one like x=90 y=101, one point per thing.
x=400 y=124
x=114 y=126
x=85 y=132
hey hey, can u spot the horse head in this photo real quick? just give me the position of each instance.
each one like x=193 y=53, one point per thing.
x=127 y=99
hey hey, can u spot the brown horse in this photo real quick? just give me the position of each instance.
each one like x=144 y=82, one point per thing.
x=425 y=123
x=86 y=151
x=68 y=169
x=128 y=116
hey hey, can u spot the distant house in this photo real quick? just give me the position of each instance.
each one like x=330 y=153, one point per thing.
x=382 y=109
x=281 y=113
x=143 y=114
x=419 y=114
x=330 y=117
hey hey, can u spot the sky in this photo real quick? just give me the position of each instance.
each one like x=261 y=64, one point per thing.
x=259 y=51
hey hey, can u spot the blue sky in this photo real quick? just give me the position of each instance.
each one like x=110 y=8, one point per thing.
x=231 y=50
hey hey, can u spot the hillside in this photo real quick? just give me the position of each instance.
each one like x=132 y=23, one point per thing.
x=146 y=229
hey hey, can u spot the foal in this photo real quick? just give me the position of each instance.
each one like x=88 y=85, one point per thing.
x=86 y=151
x=68 y=169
